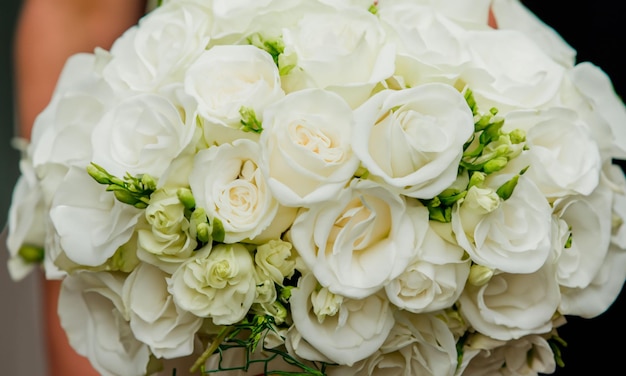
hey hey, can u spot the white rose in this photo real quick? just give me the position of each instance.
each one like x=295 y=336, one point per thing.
x=592 y=273
x=140 y=135
x=516 y=237
x=511 y=306
x=412 y=140
x=509 y=71
x=227 y=183
x=225 y=79
x=352 y=334
x=220 y=286
x=157 y=51
x=27 y=221
x=563 y=157
x=164 y=240
x=589 y=220
x=433 y=280
x=275 y=260
x=360 y=242
x=62 y=131
x=424 y=33
x=92 y=314
x=90 y=223
x=417 y=345
x=593 y=95
x=306 y=152
x=529 y=355
x=154 y=318
x=350 y=38
x=514 y=15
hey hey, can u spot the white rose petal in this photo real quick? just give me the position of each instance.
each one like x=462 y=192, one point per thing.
x=435 y=278
x=511 y=306
x=140 y=135
x=563 y=157
x=226 y=78
x=90 y=223
x=529 y=355
x=92 y=314
x=322 y=41
x=154 y=318
x=412 y=139
x=157 y=51
x=510 y=71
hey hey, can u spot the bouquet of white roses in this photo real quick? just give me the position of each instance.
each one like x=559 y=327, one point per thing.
x=326 y=187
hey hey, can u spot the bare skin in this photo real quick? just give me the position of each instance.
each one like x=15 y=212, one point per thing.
x=48 y=32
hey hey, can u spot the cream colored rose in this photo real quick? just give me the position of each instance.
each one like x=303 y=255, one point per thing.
x=511 y=306
x=360 y=242
x=220 y=286
x=165 y=241
x=306 y=153
x=275 y=260
x=412 y=140
x=353 y=333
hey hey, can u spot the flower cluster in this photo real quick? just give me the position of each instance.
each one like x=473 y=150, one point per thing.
x=326 y=187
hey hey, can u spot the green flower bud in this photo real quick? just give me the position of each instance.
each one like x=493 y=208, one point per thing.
x=517 y=136
x=148 y=182
x=203 y=232
x=186 y=198
x=98 y=174
x=480 y=274
x=495 y=164
x=31 y=254
x=477 y=179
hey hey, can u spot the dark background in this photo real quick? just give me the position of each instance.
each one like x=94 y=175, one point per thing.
x=595 y=29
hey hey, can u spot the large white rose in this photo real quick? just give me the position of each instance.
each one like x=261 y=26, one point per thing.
x=508 y=71
x=94 y=318
x=154 y=318
x=321 y=41
x=589 y=256
x=306 y=153
x=140 y=135
x=434 y=279
x=353 y=332
x=417 y=345
x=359 y=243
x=563 y=157
x=220 y=285
x=511 y=306
x=589 y=220
x=516 y=236
x=89 y=222
x=157 y=51
x=225 y=79
x=530 y=355
x=227 y=183
x=412 y=140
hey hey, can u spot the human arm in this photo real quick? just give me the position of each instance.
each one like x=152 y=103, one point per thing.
x=48 y=32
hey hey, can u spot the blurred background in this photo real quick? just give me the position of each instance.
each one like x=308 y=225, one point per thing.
x=595 y=29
